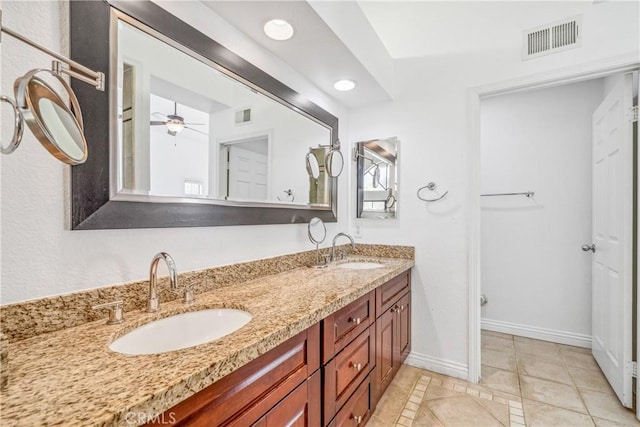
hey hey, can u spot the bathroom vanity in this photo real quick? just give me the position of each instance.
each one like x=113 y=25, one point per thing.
x=331 y=374
x=321 y=347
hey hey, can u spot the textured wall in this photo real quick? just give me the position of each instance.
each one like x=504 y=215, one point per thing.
x=42 y=257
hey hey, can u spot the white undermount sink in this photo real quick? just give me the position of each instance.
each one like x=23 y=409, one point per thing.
x=181 y=331
x=360 y=265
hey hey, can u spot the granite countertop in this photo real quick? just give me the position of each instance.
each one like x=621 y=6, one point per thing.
x=70 y=377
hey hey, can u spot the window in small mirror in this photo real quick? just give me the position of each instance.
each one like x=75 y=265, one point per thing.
x=377 y=178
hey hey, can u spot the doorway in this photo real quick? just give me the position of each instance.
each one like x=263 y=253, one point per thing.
x=523 y=208
x=245 y=166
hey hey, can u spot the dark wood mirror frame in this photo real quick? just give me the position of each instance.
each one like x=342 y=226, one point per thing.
x=91 y=207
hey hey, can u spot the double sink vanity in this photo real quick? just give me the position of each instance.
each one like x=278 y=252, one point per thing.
x=320 y=347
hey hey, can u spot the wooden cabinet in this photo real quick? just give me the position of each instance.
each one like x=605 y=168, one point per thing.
x=332 y=374
x=387 y=294
x=301 y=408
x=344 y=373
x=246 y=395
x=341 y=327
x=393 y=330
x=358 y=409
x=348 y=354
x=386 y=355
x=403 y=312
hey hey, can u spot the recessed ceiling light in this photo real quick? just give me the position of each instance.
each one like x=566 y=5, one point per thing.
x=344 y=85
x=278 y=29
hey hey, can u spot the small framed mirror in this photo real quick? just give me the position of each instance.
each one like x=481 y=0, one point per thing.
x=377 y=178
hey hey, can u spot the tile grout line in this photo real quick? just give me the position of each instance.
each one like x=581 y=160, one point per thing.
x=575 y=386
x=408 y=413
x=411 y=406
x=516 y=409
x=521 y=412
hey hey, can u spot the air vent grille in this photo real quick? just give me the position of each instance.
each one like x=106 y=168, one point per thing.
x=243 y=116
x=552 y=38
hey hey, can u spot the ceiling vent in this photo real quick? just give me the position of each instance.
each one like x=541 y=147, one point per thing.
x=552 y=38
x=243 y=116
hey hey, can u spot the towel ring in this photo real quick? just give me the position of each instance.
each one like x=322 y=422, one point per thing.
x=431 y=187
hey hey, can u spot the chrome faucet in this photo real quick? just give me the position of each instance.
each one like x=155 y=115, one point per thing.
x=154 y=304
x=333 y=245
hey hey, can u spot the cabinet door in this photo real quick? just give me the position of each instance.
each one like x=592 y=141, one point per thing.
x=403 y=311
x=386 y=351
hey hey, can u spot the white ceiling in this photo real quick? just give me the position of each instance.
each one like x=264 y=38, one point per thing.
x=362 y=39
x=315 y=51
x=428 y=28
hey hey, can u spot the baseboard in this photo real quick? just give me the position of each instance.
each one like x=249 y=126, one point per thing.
x=441 y=366
x=560 y=337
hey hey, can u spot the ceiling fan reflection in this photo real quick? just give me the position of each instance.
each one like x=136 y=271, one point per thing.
x=175 y=123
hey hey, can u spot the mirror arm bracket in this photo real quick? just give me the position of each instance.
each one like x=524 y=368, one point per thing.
x=87 y=75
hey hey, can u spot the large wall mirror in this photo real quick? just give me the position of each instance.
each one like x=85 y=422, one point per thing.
x=189 y=134
x=377 y=178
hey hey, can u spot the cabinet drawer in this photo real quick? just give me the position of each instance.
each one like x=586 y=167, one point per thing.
x=301 y=408
x=358 y=408
x=344 y=372
x=268 y=378
x=339 y=328
x=388 y=293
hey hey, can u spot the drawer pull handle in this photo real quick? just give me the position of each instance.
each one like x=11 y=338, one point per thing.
x=402 y=308
x=357 y=366
x=356 y=320
x=357 y=419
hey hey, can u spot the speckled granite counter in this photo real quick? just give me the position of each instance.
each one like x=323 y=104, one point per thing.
x=70 y=377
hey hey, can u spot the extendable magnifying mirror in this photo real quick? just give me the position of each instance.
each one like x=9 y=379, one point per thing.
x=317 y=233
x=18 y=127
x=313 y=167
x=57 y=126
x=334 y=162
x=376 y=176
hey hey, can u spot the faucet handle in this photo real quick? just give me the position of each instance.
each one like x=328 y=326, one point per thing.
x=116 y=315
x=327 y=258
x=188 y=296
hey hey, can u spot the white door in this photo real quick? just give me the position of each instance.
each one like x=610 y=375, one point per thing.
x=612 y=237
x=247 y=174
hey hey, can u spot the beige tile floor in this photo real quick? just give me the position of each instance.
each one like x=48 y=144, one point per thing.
x=524 y=382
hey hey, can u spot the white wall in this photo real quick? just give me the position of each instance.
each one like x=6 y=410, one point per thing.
x=430 y=116
x=291 y=136
x=42 y=257
x=174 y=159
x=534 y=273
